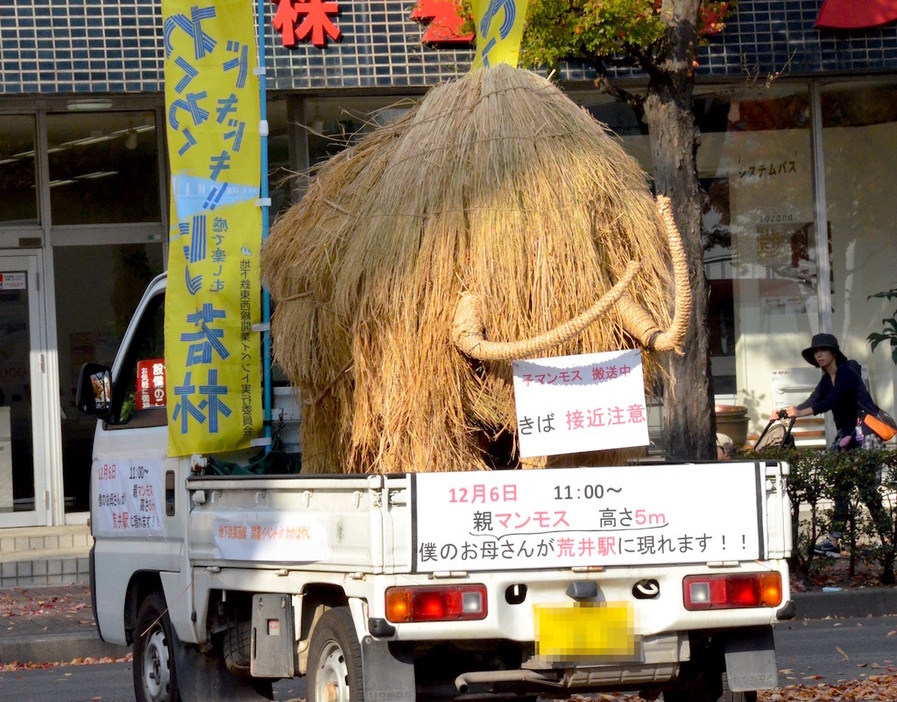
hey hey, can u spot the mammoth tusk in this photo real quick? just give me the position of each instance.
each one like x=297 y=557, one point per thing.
x=468 y=331
x=638 y=321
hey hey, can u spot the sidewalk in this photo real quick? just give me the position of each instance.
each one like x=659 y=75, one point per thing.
x=50 y=624
x=55 y=624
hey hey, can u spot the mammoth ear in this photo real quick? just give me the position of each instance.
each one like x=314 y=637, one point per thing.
x=636 y=319
x=469 y=335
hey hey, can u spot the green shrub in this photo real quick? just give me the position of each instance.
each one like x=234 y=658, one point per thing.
x=865 y=480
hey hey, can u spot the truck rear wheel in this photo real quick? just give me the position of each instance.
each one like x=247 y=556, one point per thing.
x=155 y=678
x=334 y=660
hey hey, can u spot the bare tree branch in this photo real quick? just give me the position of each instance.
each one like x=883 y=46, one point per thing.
x=604 y=83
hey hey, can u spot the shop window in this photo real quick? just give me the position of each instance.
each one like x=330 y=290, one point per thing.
x=859 y=138
x=760 y=257
x=18 y=174
x=97 y=290
x=280 y=172
x=859 y=104
x=104 y=168
x=718 y=271
x=337 y=123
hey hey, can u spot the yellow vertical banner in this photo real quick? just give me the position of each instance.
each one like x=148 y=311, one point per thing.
x=499 y=28
x=212 y=354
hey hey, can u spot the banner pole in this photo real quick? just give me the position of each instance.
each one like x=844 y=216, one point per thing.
x=265 y=202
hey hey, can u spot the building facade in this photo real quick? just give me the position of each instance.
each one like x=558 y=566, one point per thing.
x=798 y=143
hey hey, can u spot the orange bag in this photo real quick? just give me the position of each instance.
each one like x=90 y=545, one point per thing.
x=881 y=423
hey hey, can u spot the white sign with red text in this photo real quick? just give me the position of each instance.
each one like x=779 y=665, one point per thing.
x=282 y=537
x=12 y=281
x=575 y=517
x=589 y=402
x=129 y=498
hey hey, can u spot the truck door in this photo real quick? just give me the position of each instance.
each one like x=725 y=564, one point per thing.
x=134 y=518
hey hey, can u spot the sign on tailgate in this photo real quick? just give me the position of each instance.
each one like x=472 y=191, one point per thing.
x=634 y=515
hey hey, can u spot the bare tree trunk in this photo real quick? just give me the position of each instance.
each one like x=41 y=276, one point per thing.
x=689 y=421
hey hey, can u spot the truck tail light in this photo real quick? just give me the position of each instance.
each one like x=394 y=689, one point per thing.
x=732 y=591
x=438 y=603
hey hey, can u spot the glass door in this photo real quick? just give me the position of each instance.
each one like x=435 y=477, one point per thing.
x=23 y=494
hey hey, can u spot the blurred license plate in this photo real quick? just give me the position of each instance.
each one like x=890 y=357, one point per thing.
x=605 y=630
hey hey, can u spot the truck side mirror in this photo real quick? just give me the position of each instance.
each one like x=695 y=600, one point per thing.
x=94 y=396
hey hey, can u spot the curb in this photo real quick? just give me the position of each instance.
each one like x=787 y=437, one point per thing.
x=859 y=602
x=56 y=648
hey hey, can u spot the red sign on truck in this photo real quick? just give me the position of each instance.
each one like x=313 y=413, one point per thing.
x=150 y=384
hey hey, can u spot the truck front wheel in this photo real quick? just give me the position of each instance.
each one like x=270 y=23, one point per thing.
x=334 y=660
x=155 y=679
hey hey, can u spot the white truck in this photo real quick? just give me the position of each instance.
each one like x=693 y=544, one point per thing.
x=541 y=583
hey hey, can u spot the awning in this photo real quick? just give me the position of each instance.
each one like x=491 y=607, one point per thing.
x=856 y=14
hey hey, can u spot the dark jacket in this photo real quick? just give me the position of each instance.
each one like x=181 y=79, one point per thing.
x=846 y=398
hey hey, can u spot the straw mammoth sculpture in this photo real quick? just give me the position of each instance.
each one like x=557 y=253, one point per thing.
x=495 y=220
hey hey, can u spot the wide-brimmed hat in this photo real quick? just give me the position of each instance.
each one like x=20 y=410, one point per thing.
x=823 y=341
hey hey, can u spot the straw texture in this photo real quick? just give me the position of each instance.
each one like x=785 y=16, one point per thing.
x=497 y=186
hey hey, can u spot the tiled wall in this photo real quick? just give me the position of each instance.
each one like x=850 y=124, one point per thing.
x=765 y=38
x=78 y=46
x=45 y=572
x=380 y=47
x=63 y=46
x=40 y=556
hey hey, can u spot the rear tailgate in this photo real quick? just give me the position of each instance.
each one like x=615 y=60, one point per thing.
x=642 y=515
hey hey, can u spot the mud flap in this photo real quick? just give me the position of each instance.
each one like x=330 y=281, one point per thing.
x=751 y=659
x=202 y=677
x=388 y=673
x=273 y=652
